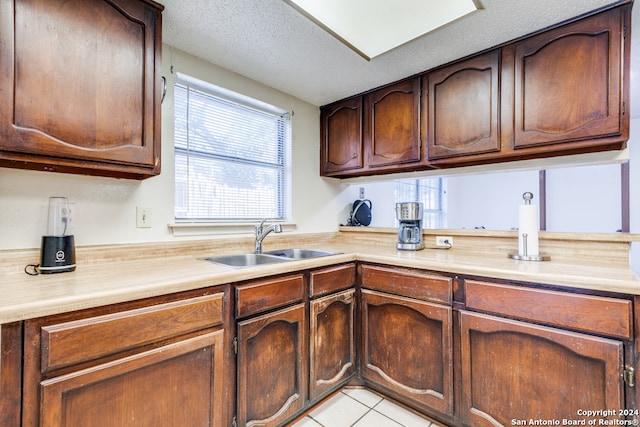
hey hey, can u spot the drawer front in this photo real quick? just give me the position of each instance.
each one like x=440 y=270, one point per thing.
x=330 y=280
x=264 y=295
x=601 y=315
x=68 y=343
x=408 y=283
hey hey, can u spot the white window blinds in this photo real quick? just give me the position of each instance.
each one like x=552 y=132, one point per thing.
x=230 y=155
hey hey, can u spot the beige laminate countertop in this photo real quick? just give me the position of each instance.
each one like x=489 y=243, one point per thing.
x=95 y=284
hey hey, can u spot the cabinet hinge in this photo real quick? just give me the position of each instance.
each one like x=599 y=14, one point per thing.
x=235 y=345
x=234 y=422
x=624 y=108
x=629 y=376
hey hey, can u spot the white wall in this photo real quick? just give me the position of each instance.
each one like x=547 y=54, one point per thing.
x=105 y=208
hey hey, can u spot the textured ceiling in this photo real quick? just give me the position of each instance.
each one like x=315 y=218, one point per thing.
x=270 y=42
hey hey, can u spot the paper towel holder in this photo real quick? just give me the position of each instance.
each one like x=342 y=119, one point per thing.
x=524 y=256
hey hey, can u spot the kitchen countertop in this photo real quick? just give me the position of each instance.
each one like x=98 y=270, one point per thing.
x=118 y=280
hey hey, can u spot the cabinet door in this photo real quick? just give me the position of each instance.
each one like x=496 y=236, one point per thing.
x=272 y=367
x=407 y=349
x=464 y=108
x=332 y=352
x=178 y=384
x=80 y=86
x=392 y=132
x=512 y=370
x=568 y=82
x=341 y=132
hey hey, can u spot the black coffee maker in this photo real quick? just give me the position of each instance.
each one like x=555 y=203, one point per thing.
x=57 y=253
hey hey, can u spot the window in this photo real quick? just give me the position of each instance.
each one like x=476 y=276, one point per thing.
x=429 y=191
x=230 y=155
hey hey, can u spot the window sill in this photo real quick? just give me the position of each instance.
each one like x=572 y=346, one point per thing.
x=182 y=229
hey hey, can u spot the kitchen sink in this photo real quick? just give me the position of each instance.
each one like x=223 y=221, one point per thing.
x=300 y=253
x=247 y=260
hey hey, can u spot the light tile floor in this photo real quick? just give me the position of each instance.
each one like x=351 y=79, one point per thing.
x=356 y=407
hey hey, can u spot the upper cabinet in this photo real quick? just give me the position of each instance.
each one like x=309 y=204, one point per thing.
x=80 y=86
x=464 y=107
x=378 y=132
x=569 y=83
x=560 y=91
x=341 y=148
x=392 y=131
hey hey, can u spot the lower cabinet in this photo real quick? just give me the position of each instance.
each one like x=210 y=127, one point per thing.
x=271 y=367
x=158 y=363
x=177 y=384
x=516 y=372
x=332 y=345
x=407 y=349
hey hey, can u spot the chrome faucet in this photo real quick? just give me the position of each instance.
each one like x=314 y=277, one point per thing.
x=261 y=233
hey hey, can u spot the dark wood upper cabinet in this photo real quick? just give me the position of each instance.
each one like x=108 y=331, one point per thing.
x=559 y=91
x=464 y=107
x=80 y=86
x=392 y=131
x=341 y=148
x=569 y=83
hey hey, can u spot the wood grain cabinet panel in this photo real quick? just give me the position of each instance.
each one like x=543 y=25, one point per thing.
x=272 y=367
x=178 y=384
x=407 y=349
x=407 y=282
x=392 y=131
x=264 y=295
x=80 y=86
x=342 y=146
x=10 y=374
x=464 y=107
x=517 y=371
x=569 y=83
x=588 y=313
x=332 y=344
x=69 y=343
x=329 y=280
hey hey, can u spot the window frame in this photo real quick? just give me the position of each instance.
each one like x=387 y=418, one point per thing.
x=282 y=167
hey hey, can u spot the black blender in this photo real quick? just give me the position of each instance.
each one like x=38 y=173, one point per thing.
x=57 y=254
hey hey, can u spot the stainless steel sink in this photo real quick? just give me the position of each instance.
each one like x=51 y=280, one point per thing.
x=300 y=253
x=247 y=260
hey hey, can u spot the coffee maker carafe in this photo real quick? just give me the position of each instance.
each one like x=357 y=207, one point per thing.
x=409 y=216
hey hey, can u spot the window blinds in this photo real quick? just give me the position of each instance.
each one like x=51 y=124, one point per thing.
x=230 y=155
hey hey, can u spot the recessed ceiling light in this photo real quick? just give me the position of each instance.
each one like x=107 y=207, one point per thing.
x=373 y=27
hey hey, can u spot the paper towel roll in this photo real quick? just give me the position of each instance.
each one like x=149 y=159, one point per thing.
x=528 y=223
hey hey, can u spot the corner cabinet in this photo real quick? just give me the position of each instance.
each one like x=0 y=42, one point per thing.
x=80 y=86
x=407 y=339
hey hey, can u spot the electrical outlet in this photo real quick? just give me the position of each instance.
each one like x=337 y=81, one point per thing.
x=143 y=217
x=444 y=241
x=361 y=192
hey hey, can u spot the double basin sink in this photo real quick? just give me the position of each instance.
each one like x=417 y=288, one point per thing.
x=270 y=257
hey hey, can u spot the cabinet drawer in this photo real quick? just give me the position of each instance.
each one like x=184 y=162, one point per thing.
x=332 y=279
x=68 y=343
x=263 y=295
x=408 y=283
x=601 y=315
